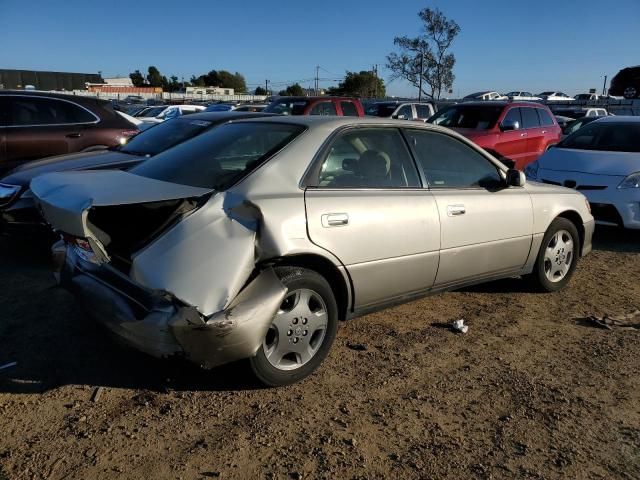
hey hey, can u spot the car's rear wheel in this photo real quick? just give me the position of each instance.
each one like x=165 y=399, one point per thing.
x=630 y=92
x=557 y=257
x=301 y=332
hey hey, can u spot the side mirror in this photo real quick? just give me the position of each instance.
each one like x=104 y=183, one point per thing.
x=515 y=178
x=507 y=125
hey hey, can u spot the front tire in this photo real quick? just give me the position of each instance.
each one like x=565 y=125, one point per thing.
x=302 y=331
x=557 y=257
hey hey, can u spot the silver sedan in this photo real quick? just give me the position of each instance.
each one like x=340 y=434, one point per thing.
x=253 y=240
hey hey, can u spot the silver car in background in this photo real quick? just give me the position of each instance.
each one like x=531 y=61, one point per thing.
x=251 y=241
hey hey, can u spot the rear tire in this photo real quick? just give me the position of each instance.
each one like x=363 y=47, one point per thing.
x=630 y=92
x=557 y=257
x=301 y=333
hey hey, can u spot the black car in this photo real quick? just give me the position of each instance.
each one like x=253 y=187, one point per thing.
x=626 y=83
x=578 y=124
x=17 y=209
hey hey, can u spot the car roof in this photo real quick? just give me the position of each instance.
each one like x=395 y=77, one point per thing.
x=226 y=116
x=500 y=103
x=620 y=119
x=62 y=96
x=326 y=97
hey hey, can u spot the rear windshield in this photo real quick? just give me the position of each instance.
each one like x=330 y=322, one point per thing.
x=154 y=111
x=570 y=113
x=287 y=107
x=221 y=157
x=606 y=136
x=478 y=117
x=164 y=135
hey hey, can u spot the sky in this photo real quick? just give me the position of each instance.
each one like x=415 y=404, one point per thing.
x=566 y=45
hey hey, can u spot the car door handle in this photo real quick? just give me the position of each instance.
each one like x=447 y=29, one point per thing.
x=73 y=135
x=334 y=220
x=523 y=134
x=544 y=131
x=455 y=210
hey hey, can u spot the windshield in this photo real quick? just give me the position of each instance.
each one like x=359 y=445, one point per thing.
x=220 y=157
x=287 y=107
x=478 y=117
x=164 y=135
x=605 y=136
x=381 y=109
x=154 y=111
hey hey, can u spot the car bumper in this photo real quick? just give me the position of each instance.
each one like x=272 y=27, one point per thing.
x=587 y=244
x=609 y=204
x=159 y=324
x=22 y=218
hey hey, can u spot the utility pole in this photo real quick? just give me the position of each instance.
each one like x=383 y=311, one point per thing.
x=266 y=87
x=317 y=80
x=604 y=86
x=421 y=70
x=375 y=80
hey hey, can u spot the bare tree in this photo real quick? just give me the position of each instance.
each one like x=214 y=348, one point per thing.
x=424 y=59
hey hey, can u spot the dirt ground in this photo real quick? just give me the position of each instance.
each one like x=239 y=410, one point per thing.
x=528 y=392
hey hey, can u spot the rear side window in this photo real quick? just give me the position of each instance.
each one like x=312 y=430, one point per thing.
x=369 y=158
x=32 y=111
x=349 y=109
x=529 y=117
x=323 y=108
x=545 y=118
x=405 y=112
x=449 y=163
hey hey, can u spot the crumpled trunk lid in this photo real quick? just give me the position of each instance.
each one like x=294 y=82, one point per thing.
x=65 y=198
x=203 y=258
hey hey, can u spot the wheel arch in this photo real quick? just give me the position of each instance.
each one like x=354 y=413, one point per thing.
x=575 y=218
x=340 y=283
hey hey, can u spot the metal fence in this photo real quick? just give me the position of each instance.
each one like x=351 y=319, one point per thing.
x=171 y=96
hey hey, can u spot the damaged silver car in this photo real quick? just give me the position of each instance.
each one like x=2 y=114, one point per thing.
x=253 y=240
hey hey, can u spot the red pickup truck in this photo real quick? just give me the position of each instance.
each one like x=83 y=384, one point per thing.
x=340 y=106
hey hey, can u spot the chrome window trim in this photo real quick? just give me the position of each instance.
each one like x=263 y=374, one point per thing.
x=97 y=119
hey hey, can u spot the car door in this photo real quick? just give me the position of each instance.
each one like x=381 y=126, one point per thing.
x=511 y=144
x=486 y=228
x=535 y=136
x=42 y=126
x=368 y=208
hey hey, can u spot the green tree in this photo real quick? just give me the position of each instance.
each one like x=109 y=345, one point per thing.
x=221 y=78
x=154 y=78
x=424 y=60
x=294 y=90
x=363 y=84
x=260 y=91
x=137 y=78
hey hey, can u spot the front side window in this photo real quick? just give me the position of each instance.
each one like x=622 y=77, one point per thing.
x=529 y=117
x=476 y=117
x=288 y=107
x=349 y=109
x=513 y=115
x=221 y=157
x=449 y=163
x=25 y=111
x=368 y=158
x=324 y=108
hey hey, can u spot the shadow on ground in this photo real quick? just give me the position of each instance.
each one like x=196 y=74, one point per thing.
x=612 y=239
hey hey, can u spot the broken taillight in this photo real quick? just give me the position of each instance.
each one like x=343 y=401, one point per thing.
x=81 y=246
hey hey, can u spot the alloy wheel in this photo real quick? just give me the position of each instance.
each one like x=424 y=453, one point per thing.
x=297 y=331
x=558 y=256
